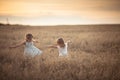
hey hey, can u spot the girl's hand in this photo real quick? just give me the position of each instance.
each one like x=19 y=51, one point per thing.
x=51 y=46
x=47 y=46
x=11 y=47
x=18 y=45
x=35 y=41
x=69 y=41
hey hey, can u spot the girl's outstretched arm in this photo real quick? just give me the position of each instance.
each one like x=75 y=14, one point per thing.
x=52 y=46
x=69 y=41
x=35 y=41
x=18 y=45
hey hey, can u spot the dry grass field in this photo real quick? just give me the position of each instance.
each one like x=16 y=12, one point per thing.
x=94 y=53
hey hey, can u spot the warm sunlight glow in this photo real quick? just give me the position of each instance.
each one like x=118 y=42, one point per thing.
x=52 y=21
x=59 y=12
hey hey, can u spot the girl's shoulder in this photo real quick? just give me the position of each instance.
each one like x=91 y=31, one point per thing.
x=66 y=43
x=24 y=41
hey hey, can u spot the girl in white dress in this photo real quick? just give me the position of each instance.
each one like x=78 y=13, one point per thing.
x=61 y=46
x=30 y=49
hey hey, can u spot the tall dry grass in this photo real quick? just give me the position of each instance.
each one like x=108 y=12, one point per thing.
x=94 y=53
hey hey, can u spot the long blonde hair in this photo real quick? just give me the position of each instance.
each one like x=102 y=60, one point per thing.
x=60 y=42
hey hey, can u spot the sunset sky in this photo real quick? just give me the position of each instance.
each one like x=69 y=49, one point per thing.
x=60 y=12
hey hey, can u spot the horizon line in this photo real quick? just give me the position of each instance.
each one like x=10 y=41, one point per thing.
x=62 y=24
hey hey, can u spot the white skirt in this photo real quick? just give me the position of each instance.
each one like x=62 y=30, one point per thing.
x=32 y=51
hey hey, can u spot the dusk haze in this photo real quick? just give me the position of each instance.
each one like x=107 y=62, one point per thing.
x=60 y=12
x=59 y=39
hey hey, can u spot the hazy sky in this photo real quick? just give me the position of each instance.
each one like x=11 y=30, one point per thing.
x=55 y=12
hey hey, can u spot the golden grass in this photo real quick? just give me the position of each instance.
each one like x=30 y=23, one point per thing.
x=94 y=53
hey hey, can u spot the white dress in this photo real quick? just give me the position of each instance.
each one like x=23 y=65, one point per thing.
x=63 y=50
x=31 y=50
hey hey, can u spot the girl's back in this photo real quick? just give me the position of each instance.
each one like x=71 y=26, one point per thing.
x=63 y=50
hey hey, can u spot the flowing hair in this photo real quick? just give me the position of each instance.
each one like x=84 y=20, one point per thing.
x=61 y=43
x=29 y=36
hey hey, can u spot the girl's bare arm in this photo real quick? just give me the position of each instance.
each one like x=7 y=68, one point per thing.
x=18 y=45
x=52 y=46
x=69 y=41
x=35 y=41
